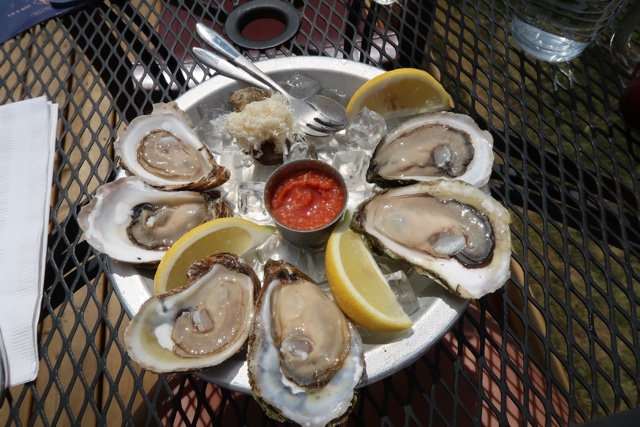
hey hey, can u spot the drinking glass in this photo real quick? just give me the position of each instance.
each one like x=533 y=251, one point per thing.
x=559 y=30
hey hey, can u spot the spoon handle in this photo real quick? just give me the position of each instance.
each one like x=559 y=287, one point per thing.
x=225 y=68
x=224 y=48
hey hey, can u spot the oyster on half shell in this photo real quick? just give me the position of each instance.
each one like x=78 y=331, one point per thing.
x=305 y=357
x=433 y=146
x=164 y=151
x=448 y=230
x=133 y=222
x=198 y=325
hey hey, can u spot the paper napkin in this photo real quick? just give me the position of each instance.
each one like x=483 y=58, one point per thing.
x=17 y=16
x=27 y=148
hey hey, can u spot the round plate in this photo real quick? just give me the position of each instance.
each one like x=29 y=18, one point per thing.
x=384 y=353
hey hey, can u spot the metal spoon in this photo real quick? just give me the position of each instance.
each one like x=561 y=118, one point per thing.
x=305 y=114
x=329 y=113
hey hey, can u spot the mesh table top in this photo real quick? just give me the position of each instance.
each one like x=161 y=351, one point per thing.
x=558 y=345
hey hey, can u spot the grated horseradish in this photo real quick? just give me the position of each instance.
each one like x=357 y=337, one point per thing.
x=268 y=120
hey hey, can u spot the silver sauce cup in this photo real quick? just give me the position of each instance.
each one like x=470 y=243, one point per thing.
x=315 y=237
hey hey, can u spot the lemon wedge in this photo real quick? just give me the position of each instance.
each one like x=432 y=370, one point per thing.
x=400 y=92
x=234 y=235
x=357 y=284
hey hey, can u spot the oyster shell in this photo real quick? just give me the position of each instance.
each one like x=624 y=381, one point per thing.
x=133 y=222
x=199 y=325
x=305 y=357
x=263 y=128
x=242 y=97
x=164 y=151
x=433 y=146
x=448 y=230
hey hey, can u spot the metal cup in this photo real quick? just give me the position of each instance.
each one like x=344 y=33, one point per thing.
x=557 y=31
x=315 y=237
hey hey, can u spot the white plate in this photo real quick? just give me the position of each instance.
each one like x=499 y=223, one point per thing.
x=384 y=353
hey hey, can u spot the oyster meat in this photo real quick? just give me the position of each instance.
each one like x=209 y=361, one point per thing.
x=305 y=357
x=133 y=222
x=245 y=96
x=262 y=128
x=164 y=151
x=199 y=325
x=433 y=146
x=448 y=230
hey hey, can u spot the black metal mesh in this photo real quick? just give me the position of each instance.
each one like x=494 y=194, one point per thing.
x=557 y=346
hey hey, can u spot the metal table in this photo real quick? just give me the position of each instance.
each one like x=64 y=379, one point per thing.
x=558 y=345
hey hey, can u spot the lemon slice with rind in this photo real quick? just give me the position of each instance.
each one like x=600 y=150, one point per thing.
x=357 y=284
x=234 y=235
x=401 y=92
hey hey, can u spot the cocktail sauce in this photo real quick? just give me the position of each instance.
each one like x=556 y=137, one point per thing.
x=307 y=200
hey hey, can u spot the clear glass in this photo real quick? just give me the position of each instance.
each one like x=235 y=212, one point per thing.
x=557 y=31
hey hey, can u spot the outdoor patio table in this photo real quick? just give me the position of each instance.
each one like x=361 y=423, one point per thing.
x=558 y=345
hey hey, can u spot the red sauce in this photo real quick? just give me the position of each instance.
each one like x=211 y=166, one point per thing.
x=307 y=200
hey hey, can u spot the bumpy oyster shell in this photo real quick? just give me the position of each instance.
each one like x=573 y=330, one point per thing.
x=305 y=357
x=433 y=146
x=164 y=151
x=262 y=128
x=133 y=222
x=448 y=230
x=199 y=325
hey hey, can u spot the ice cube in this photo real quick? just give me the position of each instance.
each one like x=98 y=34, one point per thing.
x=352 y=165
x=250 y=201
x=239 y=164
x=402 y=289
x=397 y=274
x=261 y=172
x=340 y=96
x=278 y=248
x=300 y=150
x=365 y=130
x=315 y=267
x=212 y=104
x=301 y=86
x=423 y=286
x=212 y=130
x=252 y=258
x=325 y=147
x=358 y=196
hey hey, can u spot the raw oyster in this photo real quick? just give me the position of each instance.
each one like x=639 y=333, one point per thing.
x=164 y=151
x=198 y=325
x=263 y=128
x=242 y=97
x=448 y=230
x=305 y=357
x=133 y=222
x=433 y=146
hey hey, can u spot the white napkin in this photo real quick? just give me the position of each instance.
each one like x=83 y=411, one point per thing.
x=27 y=149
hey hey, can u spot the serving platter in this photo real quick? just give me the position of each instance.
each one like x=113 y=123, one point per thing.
x=385 y=353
